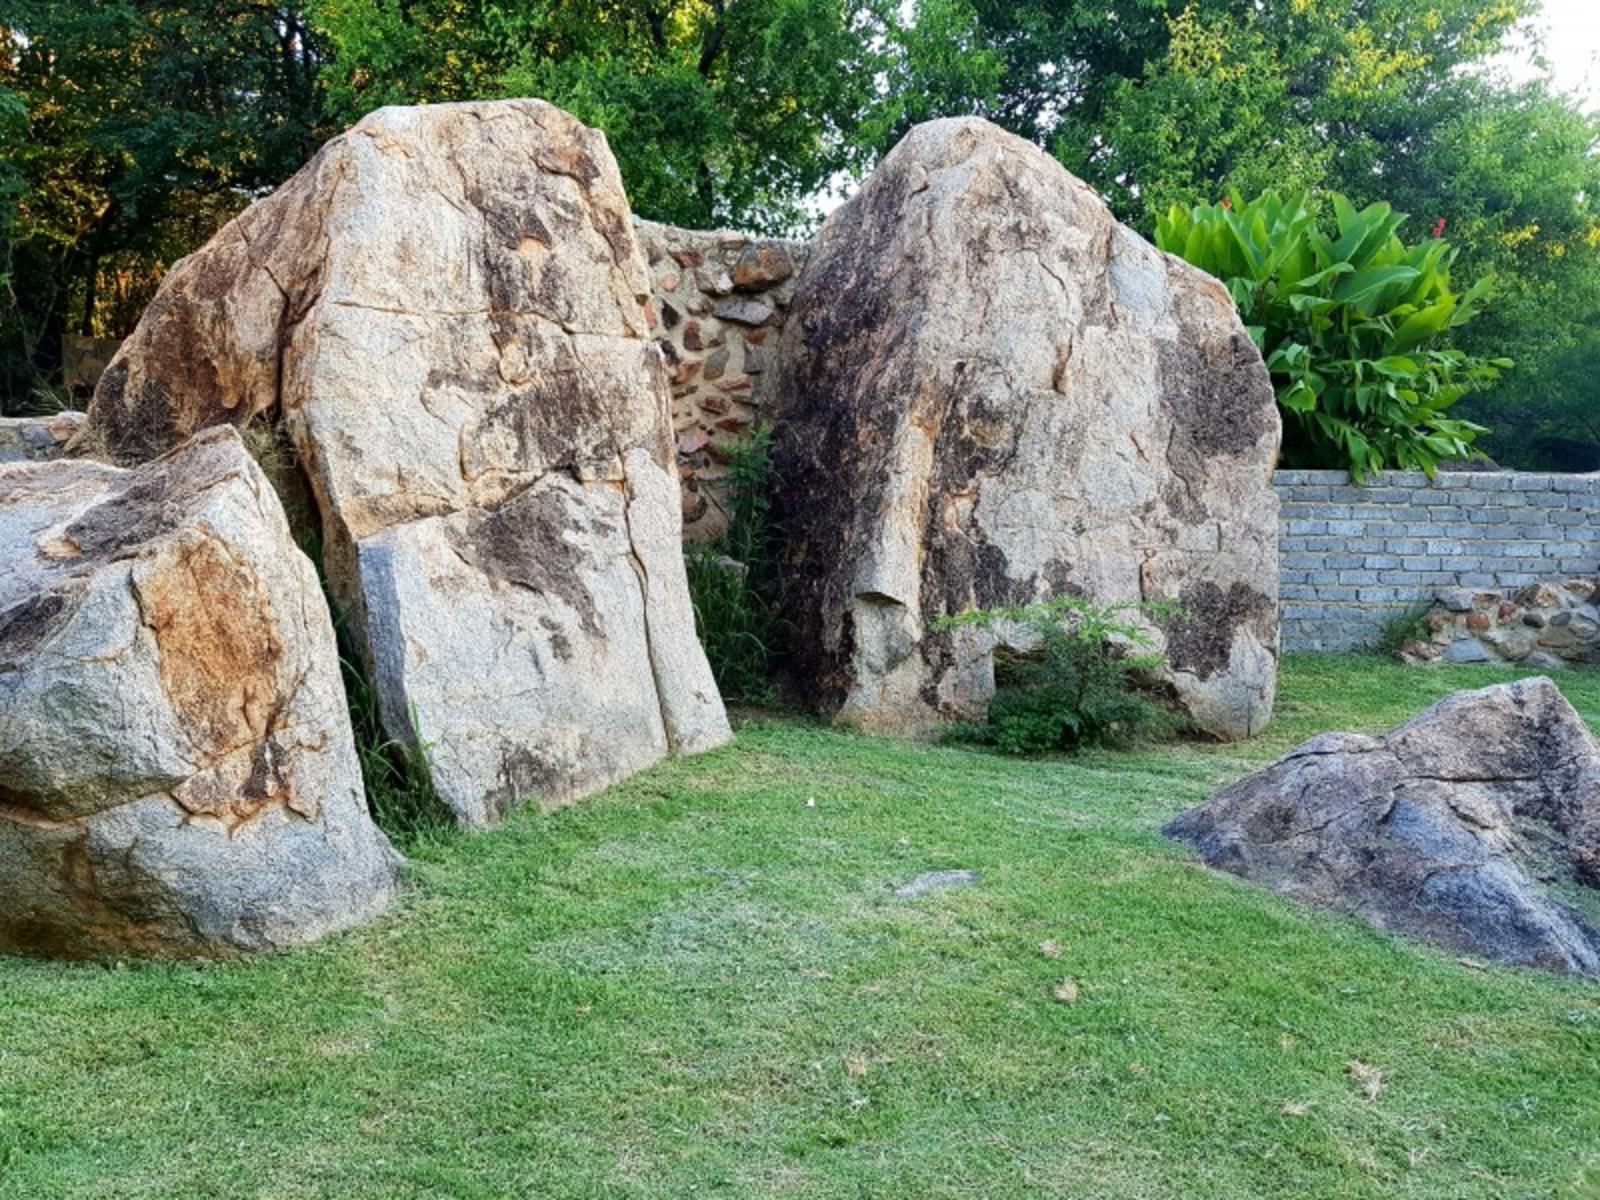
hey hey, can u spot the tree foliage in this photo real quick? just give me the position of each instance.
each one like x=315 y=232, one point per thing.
x=1156 y=102
x=132 y=128
x=147 y=124
x=718 y=111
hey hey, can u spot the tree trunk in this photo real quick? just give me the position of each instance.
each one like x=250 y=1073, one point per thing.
x=91 y=293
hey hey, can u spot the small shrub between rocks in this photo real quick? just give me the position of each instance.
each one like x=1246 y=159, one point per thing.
x=731 y=580
x=1078 y=684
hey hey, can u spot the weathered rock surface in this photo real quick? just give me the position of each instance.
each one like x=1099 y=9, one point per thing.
x=1437 y=830
x=33 y=439
x=447 y=309
x=989 y=392
x=177 y=773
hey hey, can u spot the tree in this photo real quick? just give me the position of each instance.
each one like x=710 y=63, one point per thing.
x=147 y=125
x=719 y=111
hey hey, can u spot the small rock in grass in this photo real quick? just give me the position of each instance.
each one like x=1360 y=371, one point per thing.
x=1468 y=650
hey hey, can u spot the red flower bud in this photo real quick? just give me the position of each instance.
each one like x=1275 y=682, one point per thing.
x=1438 y=227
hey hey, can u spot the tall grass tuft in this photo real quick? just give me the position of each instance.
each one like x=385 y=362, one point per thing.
x=1409 y=624
x=731 y=580
x=396 y=774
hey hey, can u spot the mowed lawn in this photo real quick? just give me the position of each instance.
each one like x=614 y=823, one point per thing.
x=701 y=984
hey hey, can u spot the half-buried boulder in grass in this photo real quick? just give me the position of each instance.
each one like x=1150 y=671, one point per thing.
x=1442 y=829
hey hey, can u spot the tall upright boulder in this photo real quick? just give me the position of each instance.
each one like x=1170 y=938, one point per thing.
x=177 y=771
x=989 y=392
x=447 y=311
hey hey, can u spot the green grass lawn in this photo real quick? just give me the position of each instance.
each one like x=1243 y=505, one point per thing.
x=700 y=984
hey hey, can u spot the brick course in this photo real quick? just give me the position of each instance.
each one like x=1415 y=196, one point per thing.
x=1352 y=557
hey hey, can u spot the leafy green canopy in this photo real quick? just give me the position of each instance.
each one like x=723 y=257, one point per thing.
x=149 y=121
x=717 y=111
x=146 y=125
x=1350 y=321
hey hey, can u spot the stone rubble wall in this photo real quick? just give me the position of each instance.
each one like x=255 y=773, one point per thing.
x=720 y=299
x=1544 y=625
x=1352 y=556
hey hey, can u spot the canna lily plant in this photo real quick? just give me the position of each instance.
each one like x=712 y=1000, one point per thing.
x=1353 y=325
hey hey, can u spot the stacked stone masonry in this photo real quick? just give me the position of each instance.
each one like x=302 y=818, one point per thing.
x=1353 y=556
x=719 y=301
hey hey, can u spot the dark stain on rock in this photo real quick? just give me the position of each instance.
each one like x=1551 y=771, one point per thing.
x=1200 y=639
x=522 y=543
x=136 y=431
x=474 y=382
x=1059 y=581
x=557 y=421
x=975 y=440
x=524 y=773
x=837 y=400
x=266 y=779
x=140 y=512
x=1219 y=396
x=560 y=643
x=27 y=626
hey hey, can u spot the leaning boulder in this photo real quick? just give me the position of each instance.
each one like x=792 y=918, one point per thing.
x=177 y=772
x=1437 y=830
x=990 y=393
x=448 y=312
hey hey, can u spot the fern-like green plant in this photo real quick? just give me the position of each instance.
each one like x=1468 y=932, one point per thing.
x=1076 y=683
x=1353 y=323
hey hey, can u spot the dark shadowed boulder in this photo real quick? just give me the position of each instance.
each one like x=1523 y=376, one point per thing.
x=177 y=771
x=1440 y=830
x=989 y=393
x=446 y=311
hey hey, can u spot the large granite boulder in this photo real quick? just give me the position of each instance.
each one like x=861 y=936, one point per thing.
x=1439 y=830
x=177 y=772
x=448 y=312
x=989 y=392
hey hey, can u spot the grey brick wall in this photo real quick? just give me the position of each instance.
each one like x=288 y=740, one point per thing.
x=1351 y=557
